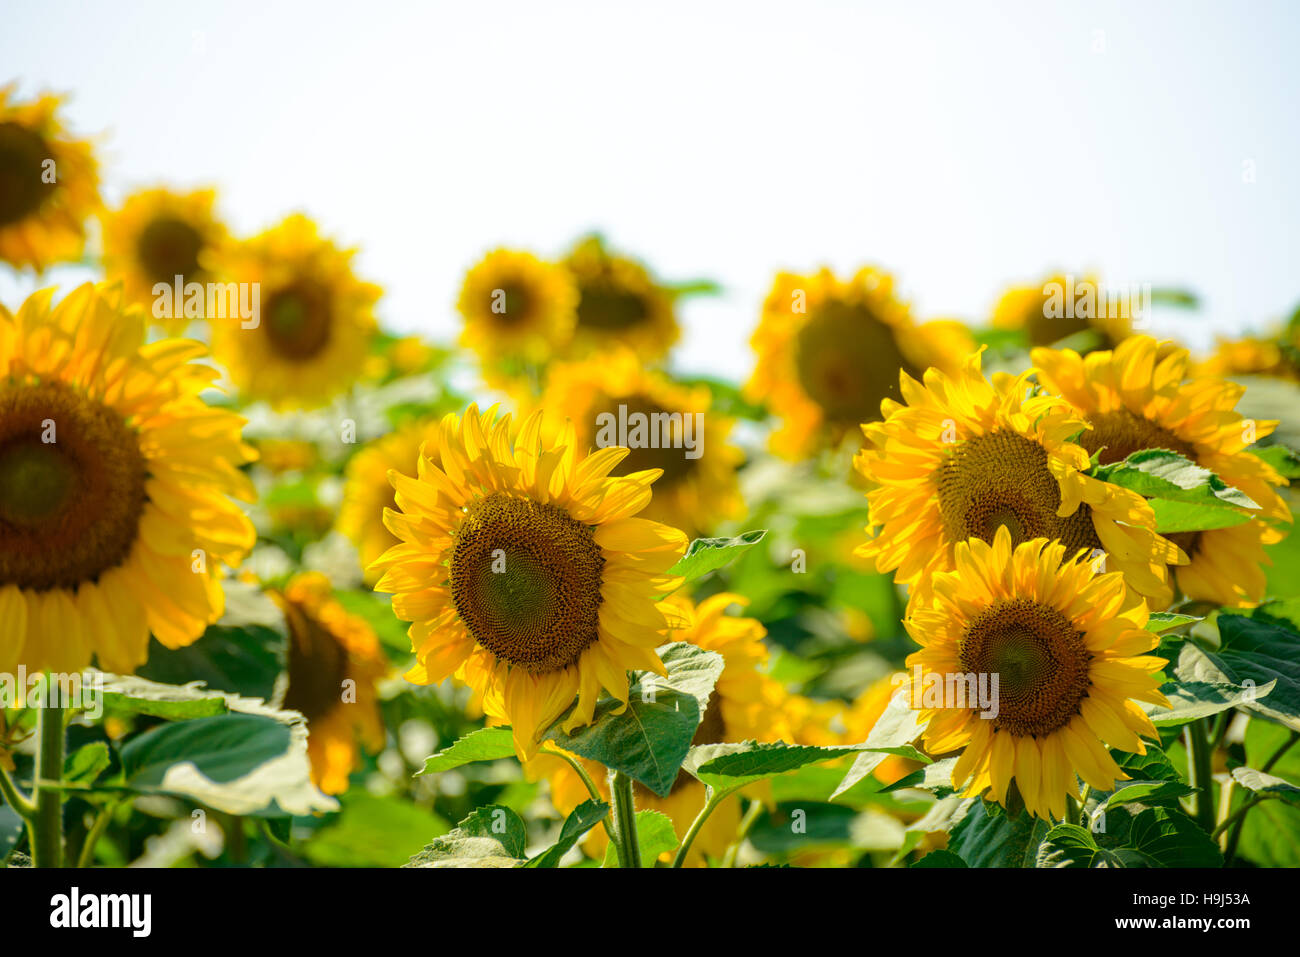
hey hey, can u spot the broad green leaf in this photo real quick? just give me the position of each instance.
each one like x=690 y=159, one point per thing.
x=485 y=744
x=1068 y=845
x=584 y=817
x=988 y=837
x=897 y=727
x=941 y=859
x=1283 y=460
x=1267 y=785
x=1159 y=837
x=655 y=835
x=372 y=830
x=1162 y=621
x=492 y=836
x=730 y=766
x=708 y=554
x=173 y=702
x=1201 y=686
x=1161 y=474
x=1266 y=654
x=1152 y=780
x=650 y=739
x=1187 y=517
x=936 y=776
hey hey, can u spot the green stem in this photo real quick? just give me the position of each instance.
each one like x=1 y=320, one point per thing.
x=746 y=823
x=624 y=815
x=1201 y=776
x=713 y=799
x=587 y=782
x=87 y=855
x=15 y=798
x=45 y=827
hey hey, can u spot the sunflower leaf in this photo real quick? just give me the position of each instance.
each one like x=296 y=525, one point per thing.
x=485 y=744
x=492 y=836
x=709 y=554
x=1267 y=785
x=897 y=727
x=584 y=817
x=941 y=859
x=1261 y=652
x=1283 y=460
x=1158 y=837
x=650 y=738
x=655 y=835
x=1068 y=845
x=1161 y=474
x=173 y=702
x=988 y=837
x=1202 y=685
x=1174 y=516
x=1162 y=621
x=731 y=766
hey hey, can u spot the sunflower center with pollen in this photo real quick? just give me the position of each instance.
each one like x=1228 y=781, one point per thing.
x=1120 y=433
x=525 y=579
x=603 y=304
x=169 y=247
x=847 y=361
x=22 y=181
x=1001 y=480
x=297 y=319
x=71 y=487
x=512 y=305
x=318 y=665
x=662 y=428
x=1040 y=659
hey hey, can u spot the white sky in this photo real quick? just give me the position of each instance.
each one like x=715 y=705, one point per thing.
x=961 y=146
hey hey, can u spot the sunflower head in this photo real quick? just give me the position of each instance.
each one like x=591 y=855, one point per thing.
x=315 y=318
x=1032 y=663
x=49 y=183
x=965 y=457
x=1141 y=396
x=525 y=572
x=157 y=235
x=612 y=394
x=1251 y=355
x=830 y=350
x=1060 y=307
x=334 y=662
x=619 y=303
x=114 y=481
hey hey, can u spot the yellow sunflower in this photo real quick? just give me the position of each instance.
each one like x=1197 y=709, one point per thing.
x=619 y=303
x=49 y=183
x=965 y=457
x=114 y=477
x=367 y=492
x=1138 y=397
x=157 y=235
x=334 y=662
x=698 y=488
x=525 y=573
x=1249 y=355
x=316 y=317
x=517 y=309
x=1059 y=307
x=745 y=705
x=830 y=350
x=1069 y=649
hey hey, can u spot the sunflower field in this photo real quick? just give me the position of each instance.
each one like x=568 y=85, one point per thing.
x=282 y=587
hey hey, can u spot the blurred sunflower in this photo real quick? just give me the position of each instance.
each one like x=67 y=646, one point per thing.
x=367 y=491
x=964 y=458
x=316 y=317
x=524 y=572
x=1060 y=307
x=745 y=705
x=334 y=663
x=49 y=183
x=693 y=494
x=114 y=485
x=517 y=309
x=1138 y=397
x=829 y=351
x=157 y=235
x=619 y=303
x=1069 y=647
x=1250 y=355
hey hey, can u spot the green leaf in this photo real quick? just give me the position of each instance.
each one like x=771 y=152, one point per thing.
x=584 y=817
x=1267 y=785
x=1283 y=460
x=173 y=702
x=651 y=738
x=1159 y=473
x=989 y=837
x=1201 y=686
x=86 y=764
x=485 y=744
x=1186 y=517
x=1162 y=621
x=1270 y=834
x=1068 y=845
x=731 y=766
x=803 y=825
x=1152 y=780
x=897 y=727
x=1159 y=837
x=371 y=830
x=1267 y=654
x=492 y=836
x=941 y=859
x=655 y=835
x=708 y=554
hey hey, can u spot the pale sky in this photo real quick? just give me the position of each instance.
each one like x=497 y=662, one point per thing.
x=961 y=146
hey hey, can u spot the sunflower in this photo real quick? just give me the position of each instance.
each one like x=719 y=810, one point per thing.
x=1069 y=648
x=1060 y=307
x=829 y=351
x=1250 y=355
x=334 y=662
x=157 y=235
x=698 y=488
x=518 y=310
x=367 y=492
x=316 y=317
x=524 y=571
x=745 y=705
x=619 y=303
x=1138 y=397
x=965 y=457
x=114 y=477
x=49 y=183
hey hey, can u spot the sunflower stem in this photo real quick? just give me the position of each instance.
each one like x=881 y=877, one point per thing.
x=1200 y=771
x=15 y=798
x=45 y=827
x=713 y=800
x=624 y=815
